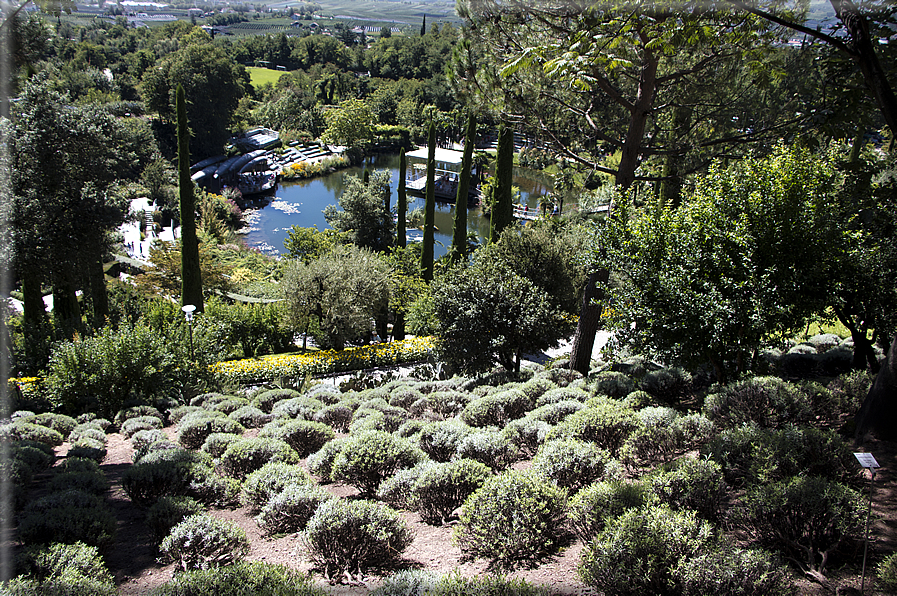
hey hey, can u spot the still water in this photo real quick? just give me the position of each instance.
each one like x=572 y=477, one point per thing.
x=302 y=204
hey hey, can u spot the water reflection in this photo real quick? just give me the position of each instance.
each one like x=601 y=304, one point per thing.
x=302 y=203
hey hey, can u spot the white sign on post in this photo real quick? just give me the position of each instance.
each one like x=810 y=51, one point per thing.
x=867 y=460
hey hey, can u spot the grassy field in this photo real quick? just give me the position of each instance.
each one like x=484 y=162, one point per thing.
x=260 y=76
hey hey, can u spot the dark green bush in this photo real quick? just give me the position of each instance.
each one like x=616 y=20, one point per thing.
x=168 y=512
x=61 y=570
x=67 y=585
x=605 y=422
x=591 y=508
x=410 y=429
x=250 y=417
x=195 y=428
x=303 y=436
x=489 y=447
x=214 y=490
x=614 y=384
x=637 y=400
x=88 y=448
x=887 y=573
x=442 y=488
x=372 y=456
x=571 y=463
x=497 y=409
x=67 y=522
x=352 y=536
x=398 y=490
x=561 y=394
x=526 y=434
x=248 y=455
x=228 y=405
x=850 y=389
x=692 y=484
x=733 y=572
x=177 y=414
x=638 y=552
x=440 y=440
x=554 y=412
x=769 y=402
x=266 y=400
x=403 y=397
x=166 y=472
x=338 y=416
x=89 y=482
x=667 y=384
x=133 y=425
x=290 y=509
x=425 y=583
x=269 y=480
x=807 y=517
x=320 y=463
x=31 y=455
x=535 y=388
x=446 y=403
x=513 y=517
x=240 y=579
x=203 y=542
x=216 y=443
x=207 y=400
x=144 y=450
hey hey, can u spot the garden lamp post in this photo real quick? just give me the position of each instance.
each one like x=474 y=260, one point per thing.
x=188 y=314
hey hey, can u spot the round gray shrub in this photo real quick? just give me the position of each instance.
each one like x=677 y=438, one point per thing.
x=554 y=412
x=303 y=436
x=446 y=403
x=89 y=448
x=168 y=512
x=496 y=409
x=590 y=508
x=403 y=397
x=351 y=536
x=266 y=400
x=372 y=456
x=195 y=429
x=240 y=579
x=512 y=518
x=638 y=552
x=767 y=401
x=248 y=455
x=249 y=417
x=165 y=472
x=216 y=443
x=61 y=570
x=61 y=423
x=303 y=408
x=228 y=405
x=290 y=509
x=320 y=463
x=133 y=425
x=143 y=438
x=26 y=431
x=526 y=434
x=561 y=394
x=696 y=484
x=535 y=388
x=489 y=447
x=337 y=416
x=656 y=438
x=269 y=480
x=442 y=488
x=177 y=414
x=410 y=429
x=126 y=414
x=204 y=542
x=570 y=463
x=398 y=490
x=143 y=450
x=637 y=400
x=614 y=384
x=733 y=572
x=605 y=422
x=440 y=440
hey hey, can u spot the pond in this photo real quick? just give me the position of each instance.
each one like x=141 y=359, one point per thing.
x=302 y=203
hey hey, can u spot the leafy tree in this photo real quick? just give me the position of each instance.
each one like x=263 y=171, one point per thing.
x=747 y=257
x=489 y=317
x=191 y=274
x=350 y=125
x=213 y=82
x=341 y=290
x=308 y=244
x=165 y=277
x=426 y=256
x=405 y=284
x=365 y=216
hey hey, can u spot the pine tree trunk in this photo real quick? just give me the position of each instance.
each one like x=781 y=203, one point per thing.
x=191 y=277
x=589 y=321
x=426 y=257
x=459 y=234
x=503 y=209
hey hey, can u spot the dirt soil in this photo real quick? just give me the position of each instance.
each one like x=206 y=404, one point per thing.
x=133 y=557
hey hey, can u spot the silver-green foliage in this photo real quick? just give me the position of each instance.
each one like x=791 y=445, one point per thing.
x=372 y=456
x=444 y=487
x=269 y=480
x=202 y=542
x=591 y=508
x=571 y=463
x=290 y=509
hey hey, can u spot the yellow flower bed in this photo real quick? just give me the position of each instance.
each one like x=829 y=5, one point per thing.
x=270 y=368
x=29 y=386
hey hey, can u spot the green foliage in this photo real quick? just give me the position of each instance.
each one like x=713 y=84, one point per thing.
x=303 y=436
x=440 y=440
x=887 y=572
x=767 y=401
x=337 y=416
x=168 y=512
x=668 y=385
x=514 y=517
x=131 y=426
x=418 y=583
x=249 y=417
x=193 y=431
x=497 y=409
x=61 y=423
x=605 y=422
x=61 y=570
x=370 y=457
x=166 y=472
x=93 y=481
x=67 y=516
x=248 y=455
x=102 y=372
x=733 y=572
x=365 y=216
x=266 y=400
x=590 y=509
x=398 y=490
x=350 y=125
x=25 y=431
x=695 y=484
x=526 y=434
x=269 y=480
x=571 y=463
x=442 y=488
x=290 y=509
x=488 y=447
x=253 y=577
x=135 y=411
x=320 y=463
x=638 y=552
x=807 y=517
x=203 y=542
x=614 y=384
x=351 y=536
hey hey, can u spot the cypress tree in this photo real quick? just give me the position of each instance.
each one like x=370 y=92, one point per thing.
x=402 y=203
x=503 y=209
x=426 y=256
x=459 y=234
x=423 y=27
x=191 y=278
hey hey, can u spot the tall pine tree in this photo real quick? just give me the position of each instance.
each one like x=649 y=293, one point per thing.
x=401 y=203
x=459 y=234
x=503 y=209
x=426 y=255
x=191 y=277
